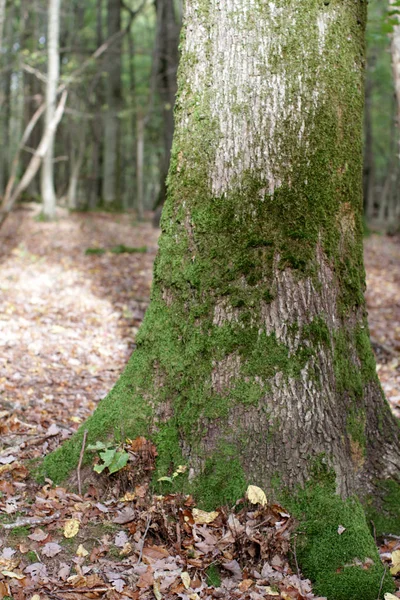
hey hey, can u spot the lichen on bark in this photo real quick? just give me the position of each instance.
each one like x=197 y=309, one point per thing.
x=254 y=356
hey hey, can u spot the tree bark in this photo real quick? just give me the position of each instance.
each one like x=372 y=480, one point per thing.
x=53 y=73
x=254 y=364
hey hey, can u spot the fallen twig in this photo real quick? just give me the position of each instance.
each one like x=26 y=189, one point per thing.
x=23 y=521
x=78 y=471
x=143 y=540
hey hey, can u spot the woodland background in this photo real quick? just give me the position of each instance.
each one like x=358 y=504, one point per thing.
x=73 y=292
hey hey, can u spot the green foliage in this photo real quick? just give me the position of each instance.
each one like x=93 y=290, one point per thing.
x=110 y=457
x=89 y=251
x=121 y=249
x=213 y=576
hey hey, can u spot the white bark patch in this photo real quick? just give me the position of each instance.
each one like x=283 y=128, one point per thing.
x=243 y=61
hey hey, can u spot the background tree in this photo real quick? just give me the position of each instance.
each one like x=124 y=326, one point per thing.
x=253 y=364
x=53 y=73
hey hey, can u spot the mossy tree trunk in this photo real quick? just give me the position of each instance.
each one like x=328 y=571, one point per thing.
x=253 y=364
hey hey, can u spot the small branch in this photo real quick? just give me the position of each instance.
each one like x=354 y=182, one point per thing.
x=78 y=471
x=31 y=521
x=382 y=580
x=297 y=564
x=143 y=540
x=35 y=72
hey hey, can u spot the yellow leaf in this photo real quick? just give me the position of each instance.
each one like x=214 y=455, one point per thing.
x=185 y=579
x=81 y=551
x=13 y=575
x=255 y=495
x=76 y=419
x=35 y=597
x=180 y=469
x=71 y=528
x=389 y=596
x=201 y=516
x=395 y=570
x=156 y=590
x=129 y=496
x=268 y=590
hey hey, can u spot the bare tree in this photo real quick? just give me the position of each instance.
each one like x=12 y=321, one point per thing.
x=53 y=73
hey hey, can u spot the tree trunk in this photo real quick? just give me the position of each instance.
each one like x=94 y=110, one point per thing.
x=140 y=131
x=254 y=364
x=112 y=63
x=2 y=21
x=166 y=57
x=53 y=72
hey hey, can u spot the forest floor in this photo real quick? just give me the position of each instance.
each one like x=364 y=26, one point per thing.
x=68 y=319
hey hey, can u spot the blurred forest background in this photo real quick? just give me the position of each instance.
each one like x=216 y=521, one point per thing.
x=117 y=60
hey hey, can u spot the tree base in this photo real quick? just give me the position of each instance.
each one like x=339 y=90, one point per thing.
x=335 y=548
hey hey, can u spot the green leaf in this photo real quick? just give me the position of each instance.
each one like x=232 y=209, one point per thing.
x=169 y=479
x=108 y=456
x=119 y=462
x=99 y=468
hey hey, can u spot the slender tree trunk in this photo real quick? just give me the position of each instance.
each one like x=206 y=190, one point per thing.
x=140 y=131
x=166 y=56
x=2 y=21
x=254 y=364
x=53 y=72
x=369 y=170
x=111 y=184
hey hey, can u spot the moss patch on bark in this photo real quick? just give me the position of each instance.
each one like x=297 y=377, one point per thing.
x=384 y=513
x=342 y=566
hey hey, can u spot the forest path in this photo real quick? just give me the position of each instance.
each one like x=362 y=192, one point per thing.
x=68 y=320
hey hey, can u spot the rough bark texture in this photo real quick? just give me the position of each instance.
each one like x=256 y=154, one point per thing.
x=253 y=364
x=53 y=73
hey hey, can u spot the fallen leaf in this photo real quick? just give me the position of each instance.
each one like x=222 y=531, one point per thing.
x=341 y=529
x=245 y=585
x=395 y=570
x=38 y=535
x=156 y=590
x=255 y=495
x=81 y=551
x=13 y=575
x=71 y=528
x=51 y=549
x=202 y=517
x=185 y=579
x=389 y=596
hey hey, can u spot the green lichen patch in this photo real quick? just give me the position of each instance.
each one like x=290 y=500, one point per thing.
x=342 y=566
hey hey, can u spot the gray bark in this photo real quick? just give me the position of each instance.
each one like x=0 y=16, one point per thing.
x=53 y=73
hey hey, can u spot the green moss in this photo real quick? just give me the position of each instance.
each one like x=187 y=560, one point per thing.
x=342 y=566
x=355 y=425
x=32 y=556
x=213 y=576
x=222 y=481
x=21 y=531
x=383 y=510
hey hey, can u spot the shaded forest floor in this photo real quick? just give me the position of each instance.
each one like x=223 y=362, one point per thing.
x=68 y=321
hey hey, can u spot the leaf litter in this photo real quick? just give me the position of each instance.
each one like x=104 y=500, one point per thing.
x=69 y=321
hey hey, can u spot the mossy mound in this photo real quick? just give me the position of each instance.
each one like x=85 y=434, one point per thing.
x=335 y=548
x=387 y=518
